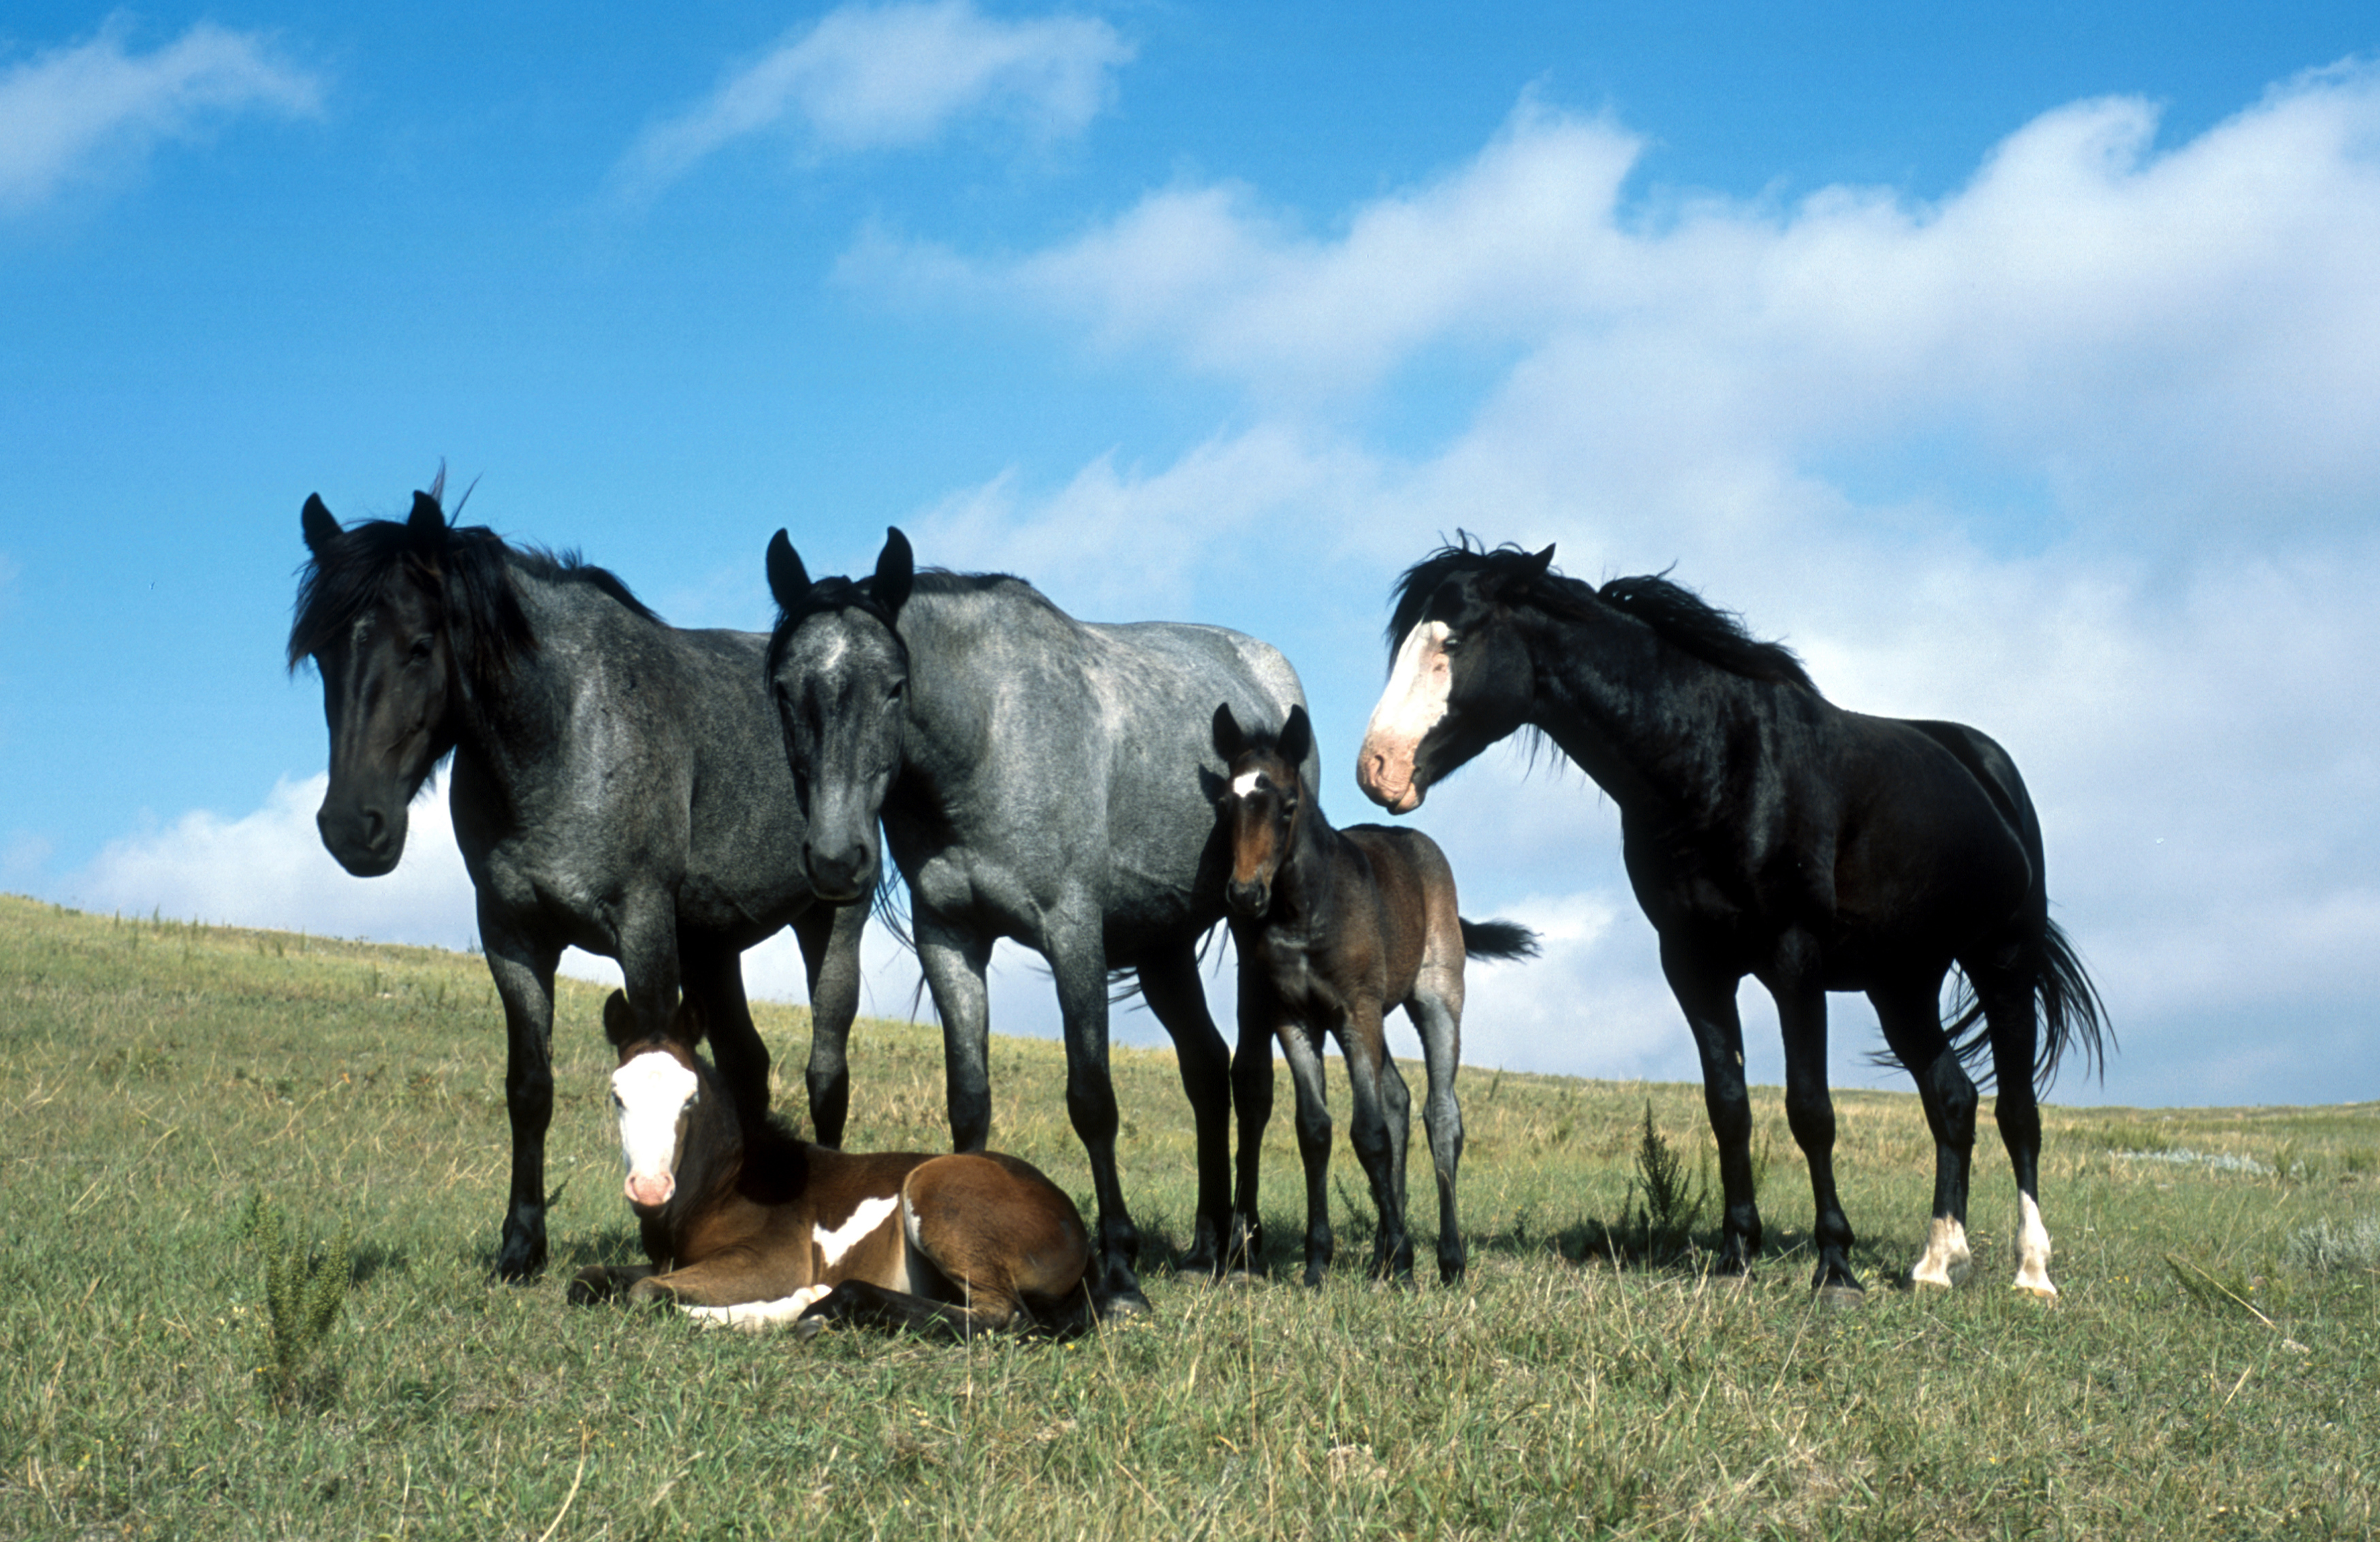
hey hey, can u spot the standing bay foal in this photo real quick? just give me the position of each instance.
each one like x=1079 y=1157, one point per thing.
x=1334 y=928
x=748 y=1225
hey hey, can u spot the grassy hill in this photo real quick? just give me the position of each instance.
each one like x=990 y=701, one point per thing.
x=181 y=1105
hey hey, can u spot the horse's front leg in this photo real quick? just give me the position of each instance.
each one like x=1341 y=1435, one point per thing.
x=602 y=1281
x=1794 y=981
x=714 y=981
x=1706 y=994
x=1078 y=960
x=829 y=936
x=1252 y=1090
x=1168 y=982
x=955 y=959
x=1299 y=1046
x=523 y=971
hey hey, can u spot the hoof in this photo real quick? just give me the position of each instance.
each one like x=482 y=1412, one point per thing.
x=2044 y=1293
x=1126 y=1306
x=1841 y=1298
x=592 y=1285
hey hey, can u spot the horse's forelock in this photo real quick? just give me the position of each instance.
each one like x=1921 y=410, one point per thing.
x=338 y=584
x=1468 y=554
x=827 y=594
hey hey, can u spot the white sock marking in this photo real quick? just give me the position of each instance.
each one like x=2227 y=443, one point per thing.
x=2032 y=1250
x=1947 y=1258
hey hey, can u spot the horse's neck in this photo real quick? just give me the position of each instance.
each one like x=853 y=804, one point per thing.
x=515 y=721
x=945 y=716
x=1305 y=885
x=1612 y=695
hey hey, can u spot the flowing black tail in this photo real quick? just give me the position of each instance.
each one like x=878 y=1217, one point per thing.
x=1498 y=940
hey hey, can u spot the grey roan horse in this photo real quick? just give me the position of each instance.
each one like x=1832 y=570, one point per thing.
x=618 y=785
x=1043 y=780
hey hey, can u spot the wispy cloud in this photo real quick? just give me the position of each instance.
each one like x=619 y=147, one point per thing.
x=2085 y=453
x=70 y=113
x=894 y=75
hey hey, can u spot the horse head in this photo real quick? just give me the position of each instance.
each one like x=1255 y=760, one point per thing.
x=1262 y=806
x=658 y=1093
x=375 y=616
x=839 y=673
x=1461 y=678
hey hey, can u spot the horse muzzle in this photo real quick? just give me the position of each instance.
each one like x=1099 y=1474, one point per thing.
x=365 y=841
x=1248 y=901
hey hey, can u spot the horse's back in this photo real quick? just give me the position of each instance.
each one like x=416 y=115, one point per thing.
x=1414 y=885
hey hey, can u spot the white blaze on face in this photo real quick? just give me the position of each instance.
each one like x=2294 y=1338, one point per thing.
x=1244 y=784
x=2032 y=1250
x=833 y=1243
x=1410 y=705
x=651 y=1092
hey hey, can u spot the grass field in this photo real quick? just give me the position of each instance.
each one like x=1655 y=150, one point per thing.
x=2212 y=1368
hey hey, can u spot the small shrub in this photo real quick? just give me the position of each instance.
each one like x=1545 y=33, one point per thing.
x=2351 y=1247
x=305 y=1288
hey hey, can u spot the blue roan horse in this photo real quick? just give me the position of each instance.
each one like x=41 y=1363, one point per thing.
x=1768 y=833
x=618 y=785
x=1043 y=780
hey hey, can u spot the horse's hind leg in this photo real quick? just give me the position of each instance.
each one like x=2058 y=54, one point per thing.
x=1438 y=1019
x=1168 y=982
x=2008 y=1011
x=829 y=936
x=1377 y=1144
x=523 y=971
x=1912 y=1019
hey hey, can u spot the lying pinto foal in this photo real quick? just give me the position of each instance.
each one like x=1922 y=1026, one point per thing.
x=753 y=1227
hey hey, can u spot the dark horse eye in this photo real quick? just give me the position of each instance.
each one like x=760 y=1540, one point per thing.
x=422 y=647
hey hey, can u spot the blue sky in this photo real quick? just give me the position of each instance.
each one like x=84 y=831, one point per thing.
x=2020 y=366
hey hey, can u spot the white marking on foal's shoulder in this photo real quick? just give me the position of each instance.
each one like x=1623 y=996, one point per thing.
x=833 y=1243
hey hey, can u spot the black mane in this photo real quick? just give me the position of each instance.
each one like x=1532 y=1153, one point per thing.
x=1673 y=612
x=470 y=566
x=842 y=593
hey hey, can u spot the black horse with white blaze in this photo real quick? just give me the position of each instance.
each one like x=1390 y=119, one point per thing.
x=619 y=785
x=1768 y=833
x=1044 y=779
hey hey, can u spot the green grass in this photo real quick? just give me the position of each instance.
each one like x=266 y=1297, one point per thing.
x=2212 y=1370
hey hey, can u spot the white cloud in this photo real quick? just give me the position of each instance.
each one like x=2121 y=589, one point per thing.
x=2086 y=452
x=268 y=868
x=68 y=112
x=894 y=75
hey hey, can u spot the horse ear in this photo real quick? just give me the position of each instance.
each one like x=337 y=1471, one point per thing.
x=1534 y=568
x=1229 y=739
x=428 y=522
x=789 y=581
x=1296 y=739
x=896 y=569
x=322 y=530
